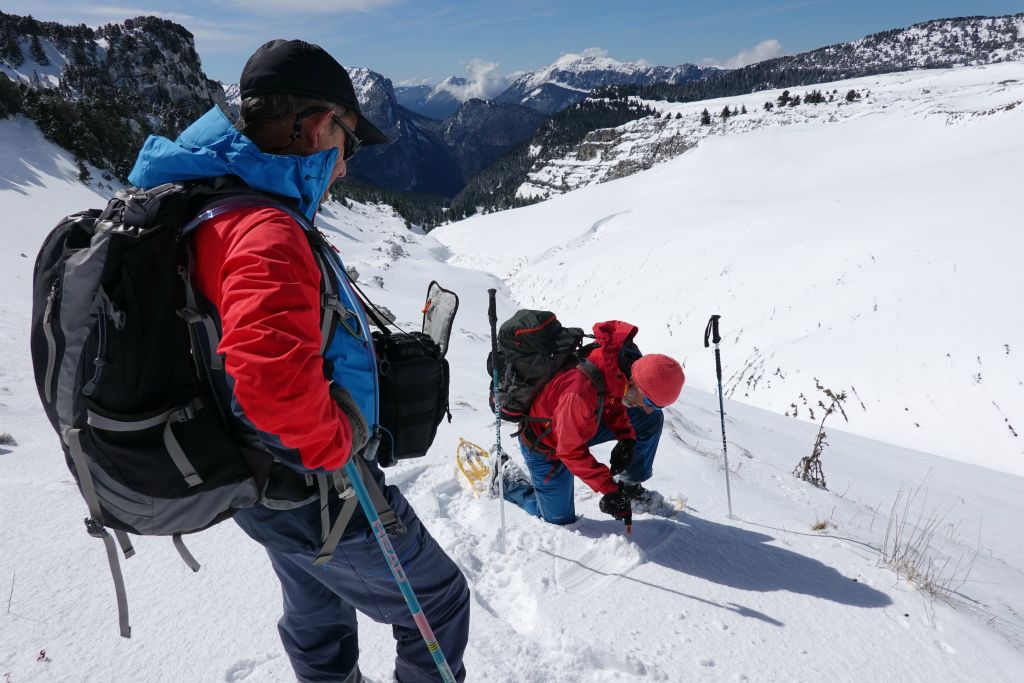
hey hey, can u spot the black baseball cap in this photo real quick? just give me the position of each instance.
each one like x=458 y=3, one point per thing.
x=295 y=67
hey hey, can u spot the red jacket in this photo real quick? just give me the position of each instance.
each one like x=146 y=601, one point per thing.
x=256 y=268
x=570 y=400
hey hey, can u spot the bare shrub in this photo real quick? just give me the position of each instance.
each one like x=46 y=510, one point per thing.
x=809 y=467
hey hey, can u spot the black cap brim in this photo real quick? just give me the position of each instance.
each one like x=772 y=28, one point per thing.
x=369 y=134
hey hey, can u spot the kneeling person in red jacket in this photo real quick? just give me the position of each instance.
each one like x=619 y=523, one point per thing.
x=565 y=423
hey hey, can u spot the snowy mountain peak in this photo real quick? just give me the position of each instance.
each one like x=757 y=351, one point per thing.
x=569 y=78
x=593 y=67
x=369 y=84
x=590 y=60
x=232 y=93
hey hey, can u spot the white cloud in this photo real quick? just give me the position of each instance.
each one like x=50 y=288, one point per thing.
x=483 y=81
x=766 y=49
x=594 y=52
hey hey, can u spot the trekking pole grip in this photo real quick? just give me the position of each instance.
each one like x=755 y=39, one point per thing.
x=492 y=317
x=711 y=331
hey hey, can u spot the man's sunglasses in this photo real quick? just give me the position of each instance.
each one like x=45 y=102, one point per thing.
x=352 y=143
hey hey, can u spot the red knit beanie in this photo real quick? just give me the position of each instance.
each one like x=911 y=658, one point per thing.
x=659 y=377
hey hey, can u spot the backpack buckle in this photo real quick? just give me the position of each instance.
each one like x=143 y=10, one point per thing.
x=395 y=529
x=95 y=528
x=185 y=413
x=189 y=316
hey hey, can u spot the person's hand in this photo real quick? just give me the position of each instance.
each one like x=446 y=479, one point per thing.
x=622 y=455
x=360 y=432
x=616 y=504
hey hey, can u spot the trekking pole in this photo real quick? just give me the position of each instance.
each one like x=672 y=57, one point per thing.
x=711 y=332
x=366 y=503
x=499 y=461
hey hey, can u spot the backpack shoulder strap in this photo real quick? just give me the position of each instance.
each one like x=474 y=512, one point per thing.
x=597 y=379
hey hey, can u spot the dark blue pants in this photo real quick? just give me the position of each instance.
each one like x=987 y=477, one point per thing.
x=550 y=497
x=318 y=628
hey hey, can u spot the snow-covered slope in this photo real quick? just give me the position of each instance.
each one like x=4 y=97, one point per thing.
x=941 y=42
x=871 y=246
x=694 y=597
x=612 y=153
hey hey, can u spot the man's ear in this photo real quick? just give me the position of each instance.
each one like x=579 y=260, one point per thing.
x=313 y=128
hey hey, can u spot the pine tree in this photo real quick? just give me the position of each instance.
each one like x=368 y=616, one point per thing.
x=744 y=110
x=814 y=97
x=726 y=113
x=11 y=52
x=768 y=106
x=38 y=53
x=705 y=118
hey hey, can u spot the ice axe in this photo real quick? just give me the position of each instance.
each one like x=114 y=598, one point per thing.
x=711 y=333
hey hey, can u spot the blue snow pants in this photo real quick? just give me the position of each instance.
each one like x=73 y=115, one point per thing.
x=550 y=497
x=318 y=628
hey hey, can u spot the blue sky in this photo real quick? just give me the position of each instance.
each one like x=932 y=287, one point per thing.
x=415 y=40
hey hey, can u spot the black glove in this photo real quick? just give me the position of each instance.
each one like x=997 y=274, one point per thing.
x=616 y=504
x=360 y=432
x=622 y=455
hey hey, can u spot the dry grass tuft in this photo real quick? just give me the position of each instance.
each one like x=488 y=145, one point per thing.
x=917 y=545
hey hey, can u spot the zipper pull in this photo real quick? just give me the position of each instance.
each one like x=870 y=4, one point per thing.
x=48 y=315
x=110 y=310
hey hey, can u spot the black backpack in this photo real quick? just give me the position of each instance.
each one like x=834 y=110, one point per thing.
x=114 y=364
x=533 y=347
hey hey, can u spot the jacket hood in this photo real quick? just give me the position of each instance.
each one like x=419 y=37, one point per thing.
x=213 y=147
x=612 y=335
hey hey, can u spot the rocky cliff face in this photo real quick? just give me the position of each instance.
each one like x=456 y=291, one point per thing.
x=100 y=92
x=481 y=131
x=430 y=156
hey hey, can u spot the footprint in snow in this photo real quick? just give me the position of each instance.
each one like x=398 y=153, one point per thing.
x=244 y=668
x=240 y=670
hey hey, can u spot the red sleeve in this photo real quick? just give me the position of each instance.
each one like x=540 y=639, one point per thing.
x=573 y=425
x=617 y=419
x=267 y=292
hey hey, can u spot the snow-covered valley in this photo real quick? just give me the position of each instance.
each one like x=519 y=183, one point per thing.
x=795 y=234
x=871 y=245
